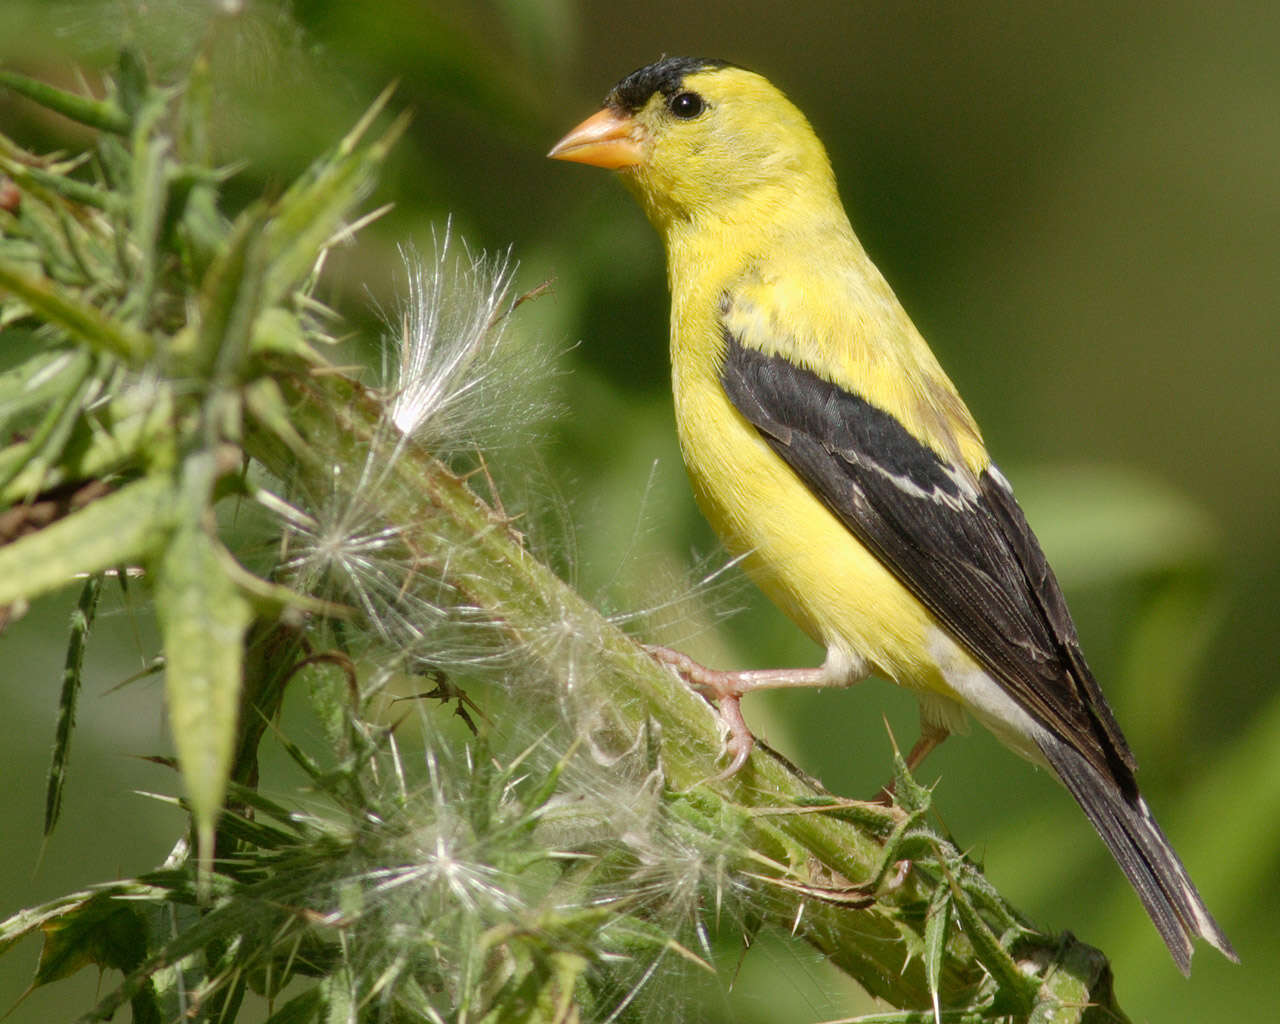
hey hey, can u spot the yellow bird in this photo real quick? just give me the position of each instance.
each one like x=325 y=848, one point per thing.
x=827 y=446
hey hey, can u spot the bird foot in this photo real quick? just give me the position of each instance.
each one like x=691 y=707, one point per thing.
x=724 y=690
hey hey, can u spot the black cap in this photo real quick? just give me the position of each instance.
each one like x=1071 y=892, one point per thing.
x=664 y=76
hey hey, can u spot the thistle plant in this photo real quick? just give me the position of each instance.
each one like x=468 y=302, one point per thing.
x=542 y=832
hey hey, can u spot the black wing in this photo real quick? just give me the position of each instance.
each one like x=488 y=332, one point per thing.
x=965 y=551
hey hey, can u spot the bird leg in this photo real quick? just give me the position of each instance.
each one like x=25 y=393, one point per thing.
x=930 y=737
x=725 y=689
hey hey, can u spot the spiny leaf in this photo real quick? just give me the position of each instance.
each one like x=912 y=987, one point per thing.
x=1016 y=989
x=301 y=1009
x=44 y=447
x=203 y=617
x=546 y=993
x=1077 y=988
x=36 y=382
x=149 y=197
x=279 y=332
x=935 y=944
x=101 y=931
x=231 y=298
x=121 y=528
x=79 y=319
x=103 y=114
x=81 y=624
x=311 y=211
x=112 y=440
x=37 y=181
x=265 y=404
x=220 y=926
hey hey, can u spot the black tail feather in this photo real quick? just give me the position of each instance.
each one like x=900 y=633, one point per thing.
x=1143 y=852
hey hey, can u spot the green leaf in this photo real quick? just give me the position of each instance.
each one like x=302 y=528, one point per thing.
x=82 y=321
x=121 y=528
x=545 y=995
x=1016 y=989
x=36 y=382
x=935 y=943
x=301 y=1009
x=149 y=198
x=37 y=181
x=231 y=299
x=103 y=114
x=45 y=445
x=101 y=931
x=279 y=332
x=266 y=405
x=131 y=427
x=311 y=211
x=81 y=624
x=203 y=618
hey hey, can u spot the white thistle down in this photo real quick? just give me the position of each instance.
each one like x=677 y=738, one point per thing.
x=457 y=381
x=339 y=547
x=452 y=365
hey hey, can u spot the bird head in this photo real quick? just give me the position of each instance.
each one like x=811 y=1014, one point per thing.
x=700 y=139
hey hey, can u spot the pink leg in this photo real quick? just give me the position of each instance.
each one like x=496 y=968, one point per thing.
x=727 y=688
x=930 y=737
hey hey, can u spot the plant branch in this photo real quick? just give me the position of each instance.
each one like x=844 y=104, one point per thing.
x=817 y=857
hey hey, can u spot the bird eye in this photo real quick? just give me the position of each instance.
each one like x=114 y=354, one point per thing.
x=687 y=105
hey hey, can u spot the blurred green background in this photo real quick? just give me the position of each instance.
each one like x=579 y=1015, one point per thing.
x=1079 y=205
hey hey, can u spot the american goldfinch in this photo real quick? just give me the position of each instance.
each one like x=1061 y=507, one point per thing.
x=826 y=445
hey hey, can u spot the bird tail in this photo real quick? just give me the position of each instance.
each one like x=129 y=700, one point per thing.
x=1143 y=852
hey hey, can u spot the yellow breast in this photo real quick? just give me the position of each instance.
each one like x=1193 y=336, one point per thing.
x=796 y=551
x=822 y=305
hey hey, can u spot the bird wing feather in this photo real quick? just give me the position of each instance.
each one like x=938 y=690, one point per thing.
x=959 y=543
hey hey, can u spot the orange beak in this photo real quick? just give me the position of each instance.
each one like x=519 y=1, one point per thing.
x=608 y=138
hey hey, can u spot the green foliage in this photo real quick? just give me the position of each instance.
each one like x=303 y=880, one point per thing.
x=81 y=625
x=155 y=315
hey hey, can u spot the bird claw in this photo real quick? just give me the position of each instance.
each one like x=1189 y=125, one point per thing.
x=719 y=689
x=738 y=741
